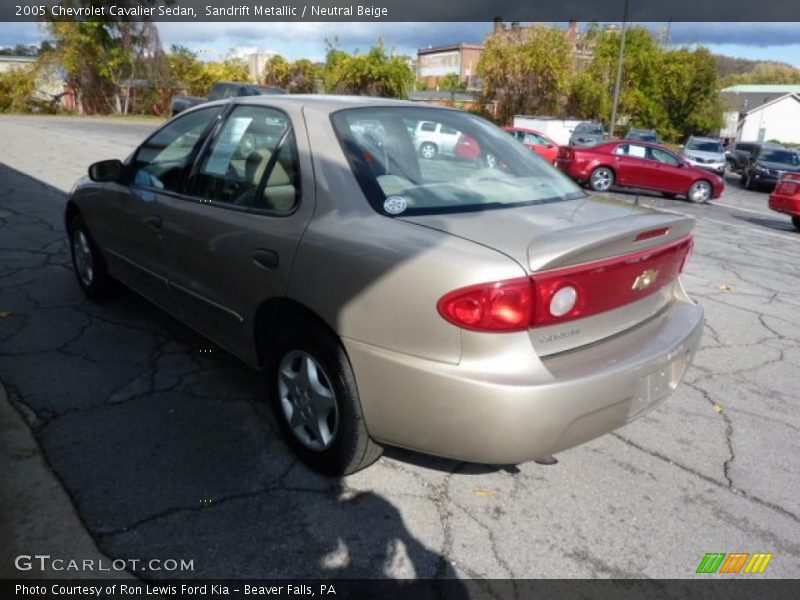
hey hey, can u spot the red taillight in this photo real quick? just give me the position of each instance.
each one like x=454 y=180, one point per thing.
x=499 y=306
x=566 y=294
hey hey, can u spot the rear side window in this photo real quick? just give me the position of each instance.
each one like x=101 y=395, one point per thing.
x=427 y=127
x=162 y=160
x=251 y=163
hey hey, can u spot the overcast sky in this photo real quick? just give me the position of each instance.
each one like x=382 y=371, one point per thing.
x=762 y=41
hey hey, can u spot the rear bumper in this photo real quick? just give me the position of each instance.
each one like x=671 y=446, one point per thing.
x=507 y=411
x=569 y=167
x=789 y=205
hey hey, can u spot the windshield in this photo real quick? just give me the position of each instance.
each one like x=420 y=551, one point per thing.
x=705 y=146
x=589 y=128
x=461 y=163
x=644 y=136
x=787 y=157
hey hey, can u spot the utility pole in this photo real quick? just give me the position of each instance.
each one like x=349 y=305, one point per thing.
x=613 y=124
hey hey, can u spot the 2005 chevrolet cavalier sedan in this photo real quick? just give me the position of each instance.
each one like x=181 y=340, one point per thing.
x=492 y=314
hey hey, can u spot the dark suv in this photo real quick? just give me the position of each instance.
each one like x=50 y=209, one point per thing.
x=767 y=164
x=739 y=153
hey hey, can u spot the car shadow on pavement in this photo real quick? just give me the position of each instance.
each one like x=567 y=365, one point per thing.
x=164 y=442
x=778 y=224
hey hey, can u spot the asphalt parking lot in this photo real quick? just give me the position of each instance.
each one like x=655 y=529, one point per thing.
x=165 y=446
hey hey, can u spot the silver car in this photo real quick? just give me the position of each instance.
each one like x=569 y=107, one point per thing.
x=488 y=314
x=706 y=153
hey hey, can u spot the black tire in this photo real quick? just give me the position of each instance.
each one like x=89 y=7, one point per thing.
x=428 y=150
x=796 y=223
x=602 y=179
x=351 y=448
x=97 y=284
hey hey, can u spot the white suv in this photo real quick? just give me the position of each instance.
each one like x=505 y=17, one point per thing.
x=431 y=139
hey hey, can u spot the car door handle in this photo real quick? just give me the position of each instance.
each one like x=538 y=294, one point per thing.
x=266 y=258
x=154 y=222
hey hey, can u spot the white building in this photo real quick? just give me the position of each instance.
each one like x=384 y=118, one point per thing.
x=256 y=61
x=778 y=120
x=762 y=113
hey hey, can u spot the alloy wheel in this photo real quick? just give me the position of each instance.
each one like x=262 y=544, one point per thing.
x=602 y=180
x=307 y=400
x=700 y=192
x=83 y=257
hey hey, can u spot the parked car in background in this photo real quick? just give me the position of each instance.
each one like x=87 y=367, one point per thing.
x=220 y=90
x=738 y=154
x=431 y=139
x=557 y=129
x=785 y=198
x=536 y=141
x=705 y=153
x=642 y=135
x=587 y=133
x=639 y=165
x=767 y=164
x=491 y=315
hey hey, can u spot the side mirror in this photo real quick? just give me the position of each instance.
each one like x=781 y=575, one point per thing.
x=106 y=171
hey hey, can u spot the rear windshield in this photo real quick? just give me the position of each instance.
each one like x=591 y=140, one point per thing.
x=705 y=146
x=786 y=157
x=476 y=166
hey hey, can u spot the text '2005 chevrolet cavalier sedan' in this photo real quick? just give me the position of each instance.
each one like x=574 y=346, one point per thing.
x=484 y=311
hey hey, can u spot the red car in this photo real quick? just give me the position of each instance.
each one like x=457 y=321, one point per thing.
x=786 y=197
x=536 y=141
x=637 y=164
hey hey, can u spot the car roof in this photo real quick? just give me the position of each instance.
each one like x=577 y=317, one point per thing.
x=330 y=103
x=703 y=138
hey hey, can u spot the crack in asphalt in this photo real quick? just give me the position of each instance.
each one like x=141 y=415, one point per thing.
x=728 y=487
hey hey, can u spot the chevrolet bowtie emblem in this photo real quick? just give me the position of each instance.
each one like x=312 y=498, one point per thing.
x=645 y=280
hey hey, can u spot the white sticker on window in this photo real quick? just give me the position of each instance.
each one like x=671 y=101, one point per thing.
x=395 y=205
x=226 y=145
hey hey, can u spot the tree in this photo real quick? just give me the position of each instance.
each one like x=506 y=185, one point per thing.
x=372 y=74
x=766 y=73
x=526 y=70
x=277 y=72
x=672 y=90
x=98 y=55
x=452 y=83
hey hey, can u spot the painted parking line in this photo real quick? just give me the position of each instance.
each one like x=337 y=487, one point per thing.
x=750 y=210
x=788 y=236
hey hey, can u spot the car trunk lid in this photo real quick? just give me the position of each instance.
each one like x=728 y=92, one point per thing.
x=628 y=255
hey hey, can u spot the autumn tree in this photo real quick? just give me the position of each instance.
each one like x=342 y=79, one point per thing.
x=277 y=72
x=766 y=73
x=452 y=83
x=526 y=70
x=375 y=73
x=672 y=90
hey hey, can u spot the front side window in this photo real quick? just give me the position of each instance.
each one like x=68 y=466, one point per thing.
x=786 y=157
x=251 y=163
x=485 y=169
x=162 y=160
